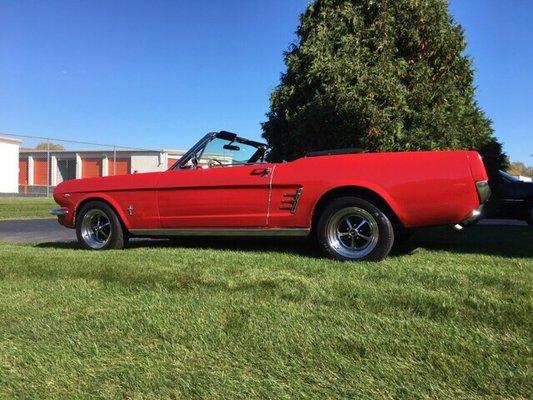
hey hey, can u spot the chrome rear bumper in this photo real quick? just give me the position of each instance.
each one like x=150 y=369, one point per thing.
x=474 y=216
x=484 y=193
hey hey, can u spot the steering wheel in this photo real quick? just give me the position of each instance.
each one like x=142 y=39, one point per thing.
x=214 y=160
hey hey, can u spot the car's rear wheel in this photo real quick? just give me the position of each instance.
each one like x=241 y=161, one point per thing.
x=354 y=229
x=98 y=227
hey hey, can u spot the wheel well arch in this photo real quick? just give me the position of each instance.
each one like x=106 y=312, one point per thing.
x=105 y=201
x=355 y=191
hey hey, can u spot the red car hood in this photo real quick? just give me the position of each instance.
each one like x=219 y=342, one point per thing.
x=108 y=183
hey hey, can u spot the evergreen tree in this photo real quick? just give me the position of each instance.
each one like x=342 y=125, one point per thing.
x=385 y=75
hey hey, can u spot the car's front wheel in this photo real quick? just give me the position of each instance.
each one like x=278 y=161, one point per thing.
x=98 y=227
x=354 y=229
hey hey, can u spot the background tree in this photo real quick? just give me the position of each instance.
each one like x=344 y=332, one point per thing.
x=382 y=75
x=519 y=168
x=53 y=146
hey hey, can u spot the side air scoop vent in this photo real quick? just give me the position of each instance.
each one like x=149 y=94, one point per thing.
x=290 y=200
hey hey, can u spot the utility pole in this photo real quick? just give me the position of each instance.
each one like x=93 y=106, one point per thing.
x=48 y=172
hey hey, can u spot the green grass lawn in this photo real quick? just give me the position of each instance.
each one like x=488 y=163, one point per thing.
x=26 y=207
x=269 y=319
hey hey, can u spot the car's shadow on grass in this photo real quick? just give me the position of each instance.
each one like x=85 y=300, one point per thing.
x=301 y=246
x=498 y=240
x=494 y=240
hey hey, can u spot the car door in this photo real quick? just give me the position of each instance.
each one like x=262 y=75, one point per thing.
x=234 y=196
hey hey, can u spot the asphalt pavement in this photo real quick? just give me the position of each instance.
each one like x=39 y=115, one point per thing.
x=48 y=230
x=35 y=231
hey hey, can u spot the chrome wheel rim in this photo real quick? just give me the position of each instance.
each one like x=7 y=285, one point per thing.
x=96 y=229
x=352 y=232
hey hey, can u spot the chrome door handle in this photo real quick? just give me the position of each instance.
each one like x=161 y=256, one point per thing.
x=262 y=171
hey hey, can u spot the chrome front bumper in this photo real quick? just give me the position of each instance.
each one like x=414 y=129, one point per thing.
x=58 y=212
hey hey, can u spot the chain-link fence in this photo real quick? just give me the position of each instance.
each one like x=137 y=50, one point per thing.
x=33 y=165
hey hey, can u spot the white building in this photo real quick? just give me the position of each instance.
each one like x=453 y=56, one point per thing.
x=9 y=164
x=524 y=178
x=40 y=169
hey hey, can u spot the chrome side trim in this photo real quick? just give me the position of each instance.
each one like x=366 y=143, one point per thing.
x=270 y=194
x=290 y=200
x=297 y=199
x=223 y=232
x=59 y=211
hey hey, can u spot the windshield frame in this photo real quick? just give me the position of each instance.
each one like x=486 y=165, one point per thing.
x=204 y=142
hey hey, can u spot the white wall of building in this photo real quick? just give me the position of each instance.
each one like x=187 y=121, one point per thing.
x=147 y=163
x=9 y=165
x=524 y=178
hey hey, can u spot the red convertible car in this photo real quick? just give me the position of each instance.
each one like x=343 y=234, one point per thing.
x=353 y=202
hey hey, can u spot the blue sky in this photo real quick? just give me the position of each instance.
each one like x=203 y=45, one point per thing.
x=159 y=74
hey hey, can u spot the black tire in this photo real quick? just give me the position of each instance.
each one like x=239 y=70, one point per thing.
x=529 y=213
x=109 y=236
x=338 y=238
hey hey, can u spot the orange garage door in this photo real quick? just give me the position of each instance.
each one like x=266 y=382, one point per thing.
x=122 y=166
x=171 y=162
x=23 y=171
x=91 y=167
x=39 y=172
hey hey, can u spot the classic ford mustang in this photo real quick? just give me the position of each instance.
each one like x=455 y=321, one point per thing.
x=353 y=202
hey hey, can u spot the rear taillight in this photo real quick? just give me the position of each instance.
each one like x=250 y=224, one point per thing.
x=483 y=191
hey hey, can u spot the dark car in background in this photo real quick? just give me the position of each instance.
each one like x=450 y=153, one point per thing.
x=517 y=199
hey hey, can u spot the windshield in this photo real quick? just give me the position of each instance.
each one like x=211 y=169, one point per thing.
x=222 y=149
x=508 y=177
x=224 y=152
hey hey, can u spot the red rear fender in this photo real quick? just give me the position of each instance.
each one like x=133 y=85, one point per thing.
x=477 y=167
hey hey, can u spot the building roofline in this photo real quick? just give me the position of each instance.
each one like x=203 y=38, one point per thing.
x=39 y=151
x=7 y=139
